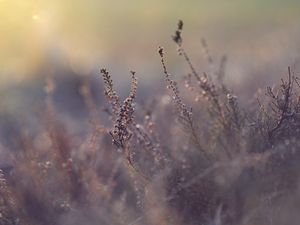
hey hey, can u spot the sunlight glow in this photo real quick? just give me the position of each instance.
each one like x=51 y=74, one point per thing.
x=35 y=17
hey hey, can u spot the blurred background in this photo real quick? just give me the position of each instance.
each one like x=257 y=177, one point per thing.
x=59 y=151
x=71 y=39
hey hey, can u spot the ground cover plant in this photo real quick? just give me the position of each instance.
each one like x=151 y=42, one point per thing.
x=194 y=155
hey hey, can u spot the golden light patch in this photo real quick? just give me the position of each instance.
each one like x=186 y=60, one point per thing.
x=35 y=17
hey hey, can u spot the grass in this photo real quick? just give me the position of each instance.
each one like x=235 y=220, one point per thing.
x=191 y=156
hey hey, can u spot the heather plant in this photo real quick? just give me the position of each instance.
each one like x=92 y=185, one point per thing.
x=8 y=207
x=191 y=156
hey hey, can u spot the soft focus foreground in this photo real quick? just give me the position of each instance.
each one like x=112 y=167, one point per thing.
x=206 y=151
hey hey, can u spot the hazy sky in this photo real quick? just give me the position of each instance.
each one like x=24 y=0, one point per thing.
x=89 y=33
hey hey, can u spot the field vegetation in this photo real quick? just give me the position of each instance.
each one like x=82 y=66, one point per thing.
x=193 y=154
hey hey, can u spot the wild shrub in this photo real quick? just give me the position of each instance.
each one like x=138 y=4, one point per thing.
x=191 y=156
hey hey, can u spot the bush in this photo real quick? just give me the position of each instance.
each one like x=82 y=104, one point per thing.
x=190 y=157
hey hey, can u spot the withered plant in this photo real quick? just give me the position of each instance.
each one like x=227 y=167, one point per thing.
x=193 y=155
